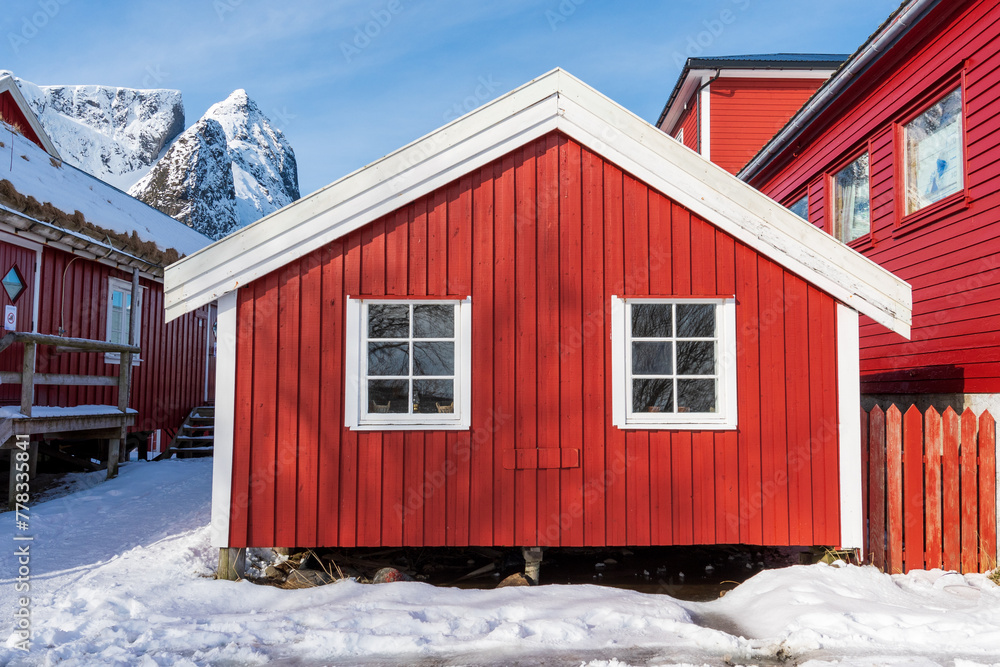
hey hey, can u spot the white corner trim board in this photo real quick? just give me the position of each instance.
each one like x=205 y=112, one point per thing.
x=555 y=101
x=705 y=118
x=225 y=419
x=849 y=427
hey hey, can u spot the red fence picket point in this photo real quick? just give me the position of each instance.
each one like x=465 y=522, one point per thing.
x=932 y=488
x=913 y=489
x=876 y=487
x=987 y=492
x=894 y=488
x=865 y=464
x=970 y=494
x=951 y=512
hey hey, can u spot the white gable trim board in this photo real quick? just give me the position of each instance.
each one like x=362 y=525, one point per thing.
x=556 y=101
x=9 y=85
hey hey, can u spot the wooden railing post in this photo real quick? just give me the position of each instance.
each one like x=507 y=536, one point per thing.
x=125 y=376
x=28 y=379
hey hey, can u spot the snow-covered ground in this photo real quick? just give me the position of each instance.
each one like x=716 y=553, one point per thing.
x=121 y=574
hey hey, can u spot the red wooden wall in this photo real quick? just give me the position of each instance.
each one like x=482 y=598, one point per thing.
x=12 y=114
x=170 y=380
x=12 y=359
x=950 y=258
x=746 y=113
x=541 y=239
x=690 y=123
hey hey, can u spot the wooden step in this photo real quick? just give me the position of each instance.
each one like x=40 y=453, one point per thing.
x=198 y=427
x=200 y=438
x=189 y=450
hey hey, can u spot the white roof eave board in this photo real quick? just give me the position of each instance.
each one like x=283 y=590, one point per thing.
x=555 y=101
x=8 y=84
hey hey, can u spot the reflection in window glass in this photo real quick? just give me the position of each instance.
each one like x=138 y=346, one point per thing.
x=801 y=208
x=851 y=206
x=674 y=365
x=410 y=365
x=934 y=153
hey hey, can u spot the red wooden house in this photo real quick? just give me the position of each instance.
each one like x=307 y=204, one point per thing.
x=545 y=324
x=896 y=156
x=727 y=107
x=70 y=246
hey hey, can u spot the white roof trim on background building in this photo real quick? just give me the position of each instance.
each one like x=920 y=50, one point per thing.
x=554 y=101
x=9 y=85
x=696 y=78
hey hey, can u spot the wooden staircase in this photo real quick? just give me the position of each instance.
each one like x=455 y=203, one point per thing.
x=196 y=436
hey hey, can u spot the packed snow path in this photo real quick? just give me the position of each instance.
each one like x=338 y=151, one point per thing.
x=121 y=574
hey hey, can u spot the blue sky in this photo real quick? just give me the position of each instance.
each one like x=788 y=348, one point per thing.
x=345 y=98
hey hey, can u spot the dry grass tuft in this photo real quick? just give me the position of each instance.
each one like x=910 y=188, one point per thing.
x=77 y=222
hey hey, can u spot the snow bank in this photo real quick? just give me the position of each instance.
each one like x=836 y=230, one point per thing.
x=121 y=575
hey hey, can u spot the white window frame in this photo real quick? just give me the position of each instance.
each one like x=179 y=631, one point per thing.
x=356 y=415
x=725 y=361
x=119 y=285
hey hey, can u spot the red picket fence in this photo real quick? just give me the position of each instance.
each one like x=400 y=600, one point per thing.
x=929 y=489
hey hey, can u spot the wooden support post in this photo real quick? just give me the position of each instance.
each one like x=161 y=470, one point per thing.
x=231 y=564
x=32 y=459
x=532 y=563
x=28 y=379
x=12 y=485
x=114 y=447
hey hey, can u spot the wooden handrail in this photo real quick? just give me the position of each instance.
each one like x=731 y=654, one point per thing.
x=28 y=379
x=82 y=344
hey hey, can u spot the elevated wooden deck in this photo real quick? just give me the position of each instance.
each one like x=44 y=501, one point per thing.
x=82 y=421
x=105 y=422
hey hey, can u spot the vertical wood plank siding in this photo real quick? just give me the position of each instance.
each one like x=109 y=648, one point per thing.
x=746 y=113
x=950 y=257
x=690 y=124
x=168 y=383
x=540 y=239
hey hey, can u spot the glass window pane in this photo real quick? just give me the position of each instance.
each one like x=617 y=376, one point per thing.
x=934 y=153
x=117 y=298
x=696 y=320
x=434 y=396
x=115 y=335
x=850 y=200
x=801 y=208
x=388 y=396
x=651 y=320
x=13 y=284
x=388 y=359
x=388 y=320
x=433 y=358
x=696 y=396
x=695 y=358
x=652 y=396
x=650 y=358
x=433 y=321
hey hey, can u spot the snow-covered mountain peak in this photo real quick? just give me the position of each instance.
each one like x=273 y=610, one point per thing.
x=113 y=133
x=217 y=191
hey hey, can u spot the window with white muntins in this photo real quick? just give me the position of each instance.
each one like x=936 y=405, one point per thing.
x=674 y=363
x=408 y=364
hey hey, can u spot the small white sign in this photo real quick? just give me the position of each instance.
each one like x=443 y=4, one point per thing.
x=10 y=318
